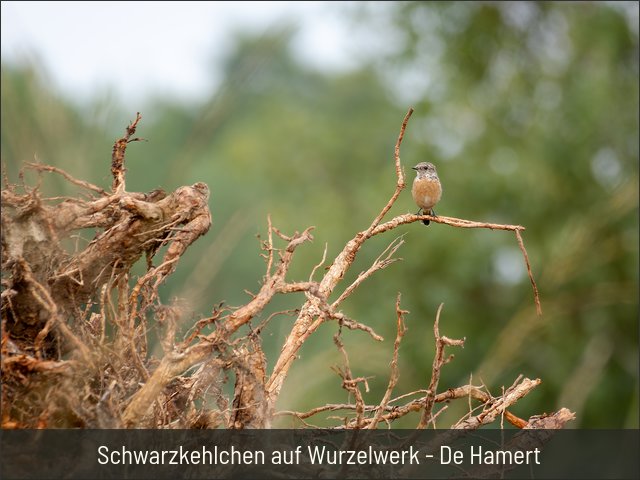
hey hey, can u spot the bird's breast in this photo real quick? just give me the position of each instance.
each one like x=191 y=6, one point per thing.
x=426 y=192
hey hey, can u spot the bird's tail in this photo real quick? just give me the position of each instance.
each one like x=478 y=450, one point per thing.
x=424 y=212
x=428 y=212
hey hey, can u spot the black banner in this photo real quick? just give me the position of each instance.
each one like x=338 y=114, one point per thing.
x=159 y=454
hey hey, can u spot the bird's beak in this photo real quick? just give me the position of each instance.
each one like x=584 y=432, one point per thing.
x=414 y=168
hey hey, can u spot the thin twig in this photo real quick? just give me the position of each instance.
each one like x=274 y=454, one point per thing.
x=379 y=264
x=324 y=258
x=353 y=325
x=536 y=295
x=348 y=382
x=75 y=181
x=438 y=362
x=117 y=156
x=400 y=184
x=395 y=374
x=269 y=246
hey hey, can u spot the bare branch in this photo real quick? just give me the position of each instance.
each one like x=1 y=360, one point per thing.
x=117 y=156
x=248 y=397
x=269 y=246
x=395 y=374
x=551 y=422
x=348 y=382
x=379 y=264
x=496 y=407
x=353 y=325
x=399 y=173
x=81 y=183
x=536 y=295
x=462 y=223
x=438 y=362
x=324 y=258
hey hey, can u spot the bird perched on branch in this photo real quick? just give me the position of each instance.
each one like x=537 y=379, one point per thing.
x=426 y=190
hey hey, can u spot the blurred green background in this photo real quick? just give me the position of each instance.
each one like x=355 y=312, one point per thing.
x=530 y=113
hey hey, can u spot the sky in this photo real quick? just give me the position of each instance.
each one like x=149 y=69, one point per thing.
x=143 y=48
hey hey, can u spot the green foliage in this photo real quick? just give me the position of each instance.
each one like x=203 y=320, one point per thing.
x=529 y=113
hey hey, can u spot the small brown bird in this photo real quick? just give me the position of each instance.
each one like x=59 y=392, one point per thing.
x=426 y=190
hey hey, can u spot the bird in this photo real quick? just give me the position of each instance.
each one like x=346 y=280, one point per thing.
x=426 y=189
